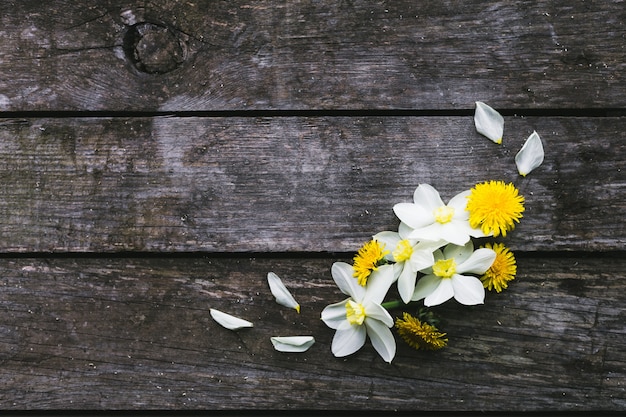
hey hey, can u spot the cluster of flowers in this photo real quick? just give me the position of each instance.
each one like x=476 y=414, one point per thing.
x=433 y=241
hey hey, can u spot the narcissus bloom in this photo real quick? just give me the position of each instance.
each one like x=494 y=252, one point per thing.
x=433 y=220
x=361 y=314
x=409 y=256
x=495 y=207
x=419 y=334
x=502 y=270
x=446 y=278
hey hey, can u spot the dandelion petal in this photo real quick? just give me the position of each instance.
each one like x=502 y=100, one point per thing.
x=489 y=122
x=530 y=156
x=281 y=293
x=292 y=343
x=228 y=321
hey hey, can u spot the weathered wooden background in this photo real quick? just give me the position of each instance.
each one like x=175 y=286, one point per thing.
x=159 y=158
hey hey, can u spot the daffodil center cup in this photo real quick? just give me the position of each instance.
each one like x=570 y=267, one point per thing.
x=444 y=268
x=355 y=312
x=443 y=214
x=403 y=251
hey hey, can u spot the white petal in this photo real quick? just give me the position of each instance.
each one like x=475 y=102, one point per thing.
x=430 y=232
x=343 y=275
x=458 y=203
x=489 y=122
x=478 y=262
x=348 y=339
x=427 y=197
x=421 y=259
x=382 y=339
x=404 y=230
x=398 y=267
x=530 y=156
x=406 y=283
x=292 y=343
x=437 y=231
x=378 y=312
x=228 y=321
x=442 y=293
x=378 y=284
x=333 y=315
x=468 y=290
x=429 y=245
x=460 y=253
x=281 y=293
x=425 y=286
x=413 y=215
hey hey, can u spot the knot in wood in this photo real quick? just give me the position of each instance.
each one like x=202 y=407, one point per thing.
x=154 y=48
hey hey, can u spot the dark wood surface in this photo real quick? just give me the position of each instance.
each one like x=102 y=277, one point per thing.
x=160 y=158
x=291 y=184
x=120 y=332
x=260 y=55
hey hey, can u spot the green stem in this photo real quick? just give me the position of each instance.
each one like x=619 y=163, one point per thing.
x=389 y=305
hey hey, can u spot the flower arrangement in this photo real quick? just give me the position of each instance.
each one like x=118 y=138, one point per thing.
x=431 y=258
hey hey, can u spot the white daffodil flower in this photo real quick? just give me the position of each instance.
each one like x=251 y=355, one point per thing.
x=228 y=321
x=292 y=343
x=489 y=122
x=361 y=315
x=409 y=256
x=432 y=220
x=530 y=156
x=445 y=278
x=281 y=293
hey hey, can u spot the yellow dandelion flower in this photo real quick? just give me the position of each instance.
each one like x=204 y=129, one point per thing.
x=502 y=270
x=494 y=207
x=368 y=259
x=420 y=335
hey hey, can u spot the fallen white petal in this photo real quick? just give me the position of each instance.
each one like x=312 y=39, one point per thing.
x=228 y=321
x=530 y=156
x=292 y=343
x=489 y=122
x=281 y=293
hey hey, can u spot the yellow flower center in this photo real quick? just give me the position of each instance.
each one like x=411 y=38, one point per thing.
x=443 y=214
x=495 y=207
x=403 y=251
x=355 y=312
x=502 y=270
x=444 y=268
x=368 y=259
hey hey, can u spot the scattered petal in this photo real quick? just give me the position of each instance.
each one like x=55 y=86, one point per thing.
x=292 y=343
x=530 y=156
x=228 y=321
x=489 y=122
x=281 y=293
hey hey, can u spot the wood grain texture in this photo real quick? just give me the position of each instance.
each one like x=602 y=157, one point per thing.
x=291 y=184
x=300 y=55
x=136 y=333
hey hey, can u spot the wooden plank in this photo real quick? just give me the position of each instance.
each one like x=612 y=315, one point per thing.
x=299 y=55
x=136 y=333
x=291 y=184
